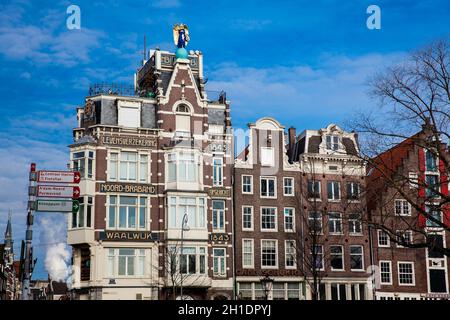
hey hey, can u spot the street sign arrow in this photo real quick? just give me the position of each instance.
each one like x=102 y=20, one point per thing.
x=75 y=206
x=59 y=176
x=48 y=191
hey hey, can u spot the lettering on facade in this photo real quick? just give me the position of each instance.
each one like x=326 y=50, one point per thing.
x=219 y=237
x=144 y=236
x=127 y=141
x=218 y=147
x=249 y=272
x=127 y=188
x=219 y=192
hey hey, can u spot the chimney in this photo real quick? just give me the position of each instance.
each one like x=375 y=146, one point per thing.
x=291 y=139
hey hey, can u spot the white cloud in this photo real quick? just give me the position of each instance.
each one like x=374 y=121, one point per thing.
x=333 y=88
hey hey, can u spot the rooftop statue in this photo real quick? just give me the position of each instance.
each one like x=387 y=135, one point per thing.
x=181 y=39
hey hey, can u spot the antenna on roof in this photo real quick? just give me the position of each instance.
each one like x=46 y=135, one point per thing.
x=145 y=47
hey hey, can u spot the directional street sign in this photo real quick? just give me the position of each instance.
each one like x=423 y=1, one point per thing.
x=58 y=191
x=57 y=205
x=75 y=206
x=59 y=176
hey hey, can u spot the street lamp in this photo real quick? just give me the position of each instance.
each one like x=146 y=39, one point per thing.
x=267 y=283
x=184 y=227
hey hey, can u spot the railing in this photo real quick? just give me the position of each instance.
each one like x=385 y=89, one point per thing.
x=120 y=89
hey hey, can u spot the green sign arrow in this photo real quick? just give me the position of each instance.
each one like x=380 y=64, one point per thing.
x=75 y=206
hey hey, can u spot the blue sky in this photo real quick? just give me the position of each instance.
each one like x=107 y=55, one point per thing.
x=303 y=62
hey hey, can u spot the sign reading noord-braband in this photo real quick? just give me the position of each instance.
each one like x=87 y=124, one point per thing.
x=127 y=188
x=129 y=141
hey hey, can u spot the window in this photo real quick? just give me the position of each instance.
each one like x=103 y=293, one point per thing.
x=278 y=292
x=289 y=253
x=356 y=258
x=128 y=166
x=269 y=256
x=353 y=190
x=267 y=157
x=125 y=262
x=126 y=212
x=402 y=208
x=188 y=260
x=413 y=180
x=332 y=142
x=129 y=116
x=218 y=215
x=247 y=253
x=289 y=220
x=338 y=291
x=354 y=223
x=247 y=218
x=432 y=186
x=317 y=256
x=313 y=189
x=82 y=160
x=334 y=222
x=337 y=258
x=383 y=239
x=358 y=291
x=217 y=172
x=293 y=291
x=430 y=161
x=268 y=218
x=315 y=222
x=436 y=241
x=83 y=218
x=182 y=167
x=406 y=273
x=194 y=207
x=268 y=189
x=192 y=260
x=245 y=291
x=435 y=213
x=247 y=184
x=333 y=190
x=288 y=186
x=403 y=237
x=385 y=272
x=183 y=121
x=219 y=264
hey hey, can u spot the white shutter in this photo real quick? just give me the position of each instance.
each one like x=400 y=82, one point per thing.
x=129 y=117
x=183 y=123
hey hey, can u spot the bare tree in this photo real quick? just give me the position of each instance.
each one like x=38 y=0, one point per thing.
x=413 y=115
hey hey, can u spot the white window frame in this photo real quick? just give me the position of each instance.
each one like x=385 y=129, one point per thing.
x=342 y=257
x=272 y=161
x=274 y=185
x=252 y=218
x=330 y=145
x=402 y=232
x=199 y=214
x=251 y=184
x=275 y=229
x=390 y=272
x=355 y=221
x=335 y=222
x=291 y=186
x=88 y=209
x=117 y=165
x=252 y=265
x=115 y=261
x=413 y=273
x=217 y=171
x=220 y=215
x=402 y=214
x=219 y=259
x=362 y=256
x=117 y=206
x=319 y=191
x=122 y=108
x=333 y=184
x=276 y=254
x=293 y=219
x=286 y=254
x=388 y=245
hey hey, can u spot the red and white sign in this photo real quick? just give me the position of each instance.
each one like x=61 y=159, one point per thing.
x=59 y=176
x=58 y=192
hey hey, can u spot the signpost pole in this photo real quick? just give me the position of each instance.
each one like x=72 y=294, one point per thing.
x=29 y=235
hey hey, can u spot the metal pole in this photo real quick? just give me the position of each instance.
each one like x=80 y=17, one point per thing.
x=183 y=224
x=29 y=234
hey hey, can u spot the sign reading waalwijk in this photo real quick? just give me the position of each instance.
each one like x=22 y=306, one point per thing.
x=109 y=235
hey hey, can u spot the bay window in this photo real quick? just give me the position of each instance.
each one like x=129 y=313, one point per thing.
x=188 y=260
x=83 y=162
x=182 y=167
x=83 y=217
x=193 y=206
x=125 y=262
x=125 y=212
x=128 y=166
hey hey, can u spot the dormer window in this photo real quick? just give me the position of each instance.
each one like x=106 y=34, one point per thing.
x=332 y=142
x=183 y=121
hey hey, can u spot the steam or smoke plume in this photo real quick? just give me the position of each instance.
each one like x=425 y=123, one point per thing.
x=57 y=259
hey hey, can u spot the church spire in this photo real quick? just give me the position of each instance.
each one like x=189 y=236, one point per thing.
x=8 y=233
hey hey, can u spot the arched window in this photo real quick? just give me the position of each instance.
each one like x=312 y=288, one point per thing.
x=183 y=121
